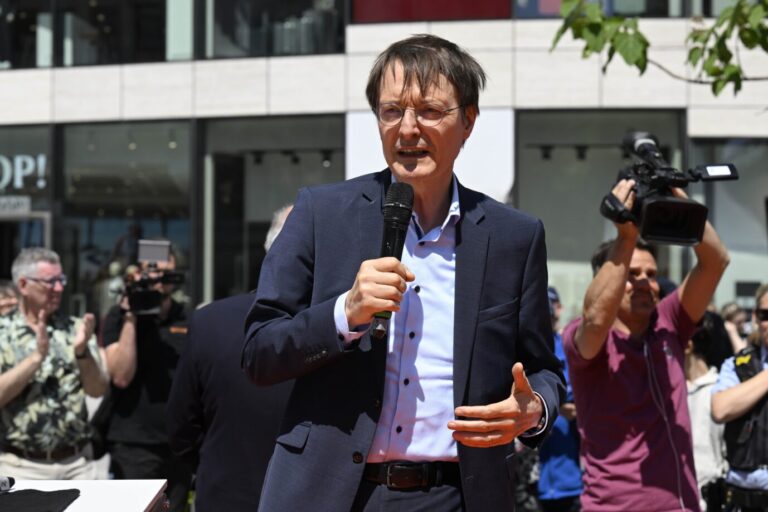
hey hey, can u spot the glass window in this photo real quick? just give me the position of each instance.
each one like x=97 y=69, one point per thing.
x=122 y=182
x=242 y=28
x=376 y=11
x=25 y=168
x=537 y=9
x=629 y=8
x=739 y=211
x=25 y=34
x=565 y=163
x=124 y=31
x=25 y=189
x=709 y=8
x=253 y=167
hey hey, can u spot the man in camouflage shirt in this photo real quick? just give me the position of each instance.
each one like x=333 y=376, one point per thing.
x=48 y=362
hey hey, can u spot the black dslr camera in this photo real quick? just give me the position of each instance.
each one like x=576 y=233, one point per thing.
x=659 y=215
x=143 y=298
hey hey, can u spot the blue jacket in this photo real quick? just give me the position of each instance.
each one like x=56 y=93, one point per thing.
x=559 y=454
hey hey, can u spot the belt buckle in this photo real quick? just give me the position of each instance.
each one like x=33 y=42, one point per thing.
x=411 y=468
x=390 y=484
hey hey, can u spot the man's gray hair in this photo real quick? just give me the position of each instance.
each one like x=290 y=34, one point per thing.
x=278 y=219
x=25 y=264
x=425 y=58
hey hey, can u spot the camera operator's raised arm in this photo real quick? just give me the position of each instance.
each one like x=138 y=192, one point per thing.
x=603 y=297
x=711 y=260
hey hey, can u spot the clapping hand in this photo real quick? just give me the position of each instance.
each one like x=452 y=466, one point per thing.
x=84 y=333
x=41 y=334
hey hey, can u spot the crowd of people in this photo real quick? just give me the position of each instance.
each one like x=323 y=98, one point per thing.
x=648 y=401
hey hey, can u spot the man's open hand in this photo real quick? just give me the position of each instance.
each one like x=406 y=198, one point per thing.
x=497 y=424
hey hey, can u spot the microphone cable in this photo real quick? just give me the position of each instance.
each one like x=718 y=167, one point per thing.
x=658 y=400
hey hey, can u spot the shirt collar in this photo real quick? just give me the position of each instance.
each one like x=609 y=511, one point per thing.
x=454 y=209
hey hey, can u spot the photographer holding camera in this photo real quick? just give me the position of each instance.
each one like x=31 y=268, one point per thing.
x=144 y=336
x=625 y=356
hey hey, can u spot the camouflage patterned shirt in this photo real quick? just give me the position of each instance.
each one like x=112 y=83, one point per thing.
x=50 y=411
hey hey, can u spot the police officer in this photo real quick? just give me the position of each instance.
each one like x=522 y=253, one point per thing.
x=740 y=400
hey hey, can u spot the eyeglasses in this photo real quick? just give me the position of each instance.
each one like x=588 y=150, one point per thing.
x=762 y=315
x=390 y=114
x=50 y=283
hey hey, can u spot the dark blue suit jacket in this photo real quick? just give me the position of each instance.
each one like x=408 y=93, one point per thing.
x=216 y=415
x=501 y=316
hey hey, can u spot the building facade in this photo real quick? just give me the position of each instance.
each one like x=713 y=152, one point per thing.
x=194 y=120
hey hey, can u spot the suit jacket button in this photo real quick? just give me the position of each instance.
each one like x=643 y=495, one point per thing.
x=357 y=457
x=377 y=403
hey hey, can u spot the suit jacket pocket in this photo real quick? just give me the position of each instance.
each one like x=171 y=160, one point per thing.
x=500 y=310
x=296 y=437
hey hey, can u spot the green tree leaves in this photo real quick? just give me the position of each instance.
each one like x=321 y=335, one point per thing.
x=713 y=51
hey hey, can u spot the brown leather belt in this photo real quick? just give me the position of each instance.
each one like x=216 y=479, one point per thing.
x=59 y=453
x=413 y=475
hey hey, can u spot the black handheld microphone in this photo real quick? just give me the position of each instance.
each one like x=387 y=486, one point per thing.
x=397 y=209
x=646 y=146
x=6 y=482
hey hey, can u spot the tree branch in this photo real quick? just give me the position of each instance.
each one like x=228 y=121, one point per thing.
x=698 y=80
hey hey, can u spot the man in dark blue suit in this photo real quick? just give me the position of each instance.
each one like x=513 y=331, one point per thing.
x=424 y=420
x=215 y=417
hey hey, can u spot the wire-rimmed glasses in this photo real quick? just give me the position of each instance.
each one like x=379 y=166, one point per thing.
x=429 y=114
x=50 y=283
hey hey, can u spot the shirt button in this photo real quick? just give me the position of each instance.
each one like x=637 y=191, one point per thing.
x=417 y=289
x=406 y=382
x=357 y=457
x=399 y=429
x=411 y=334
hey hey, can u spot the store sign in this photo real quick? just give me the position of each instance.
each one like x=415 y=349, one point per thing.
x=14 y=205
x=22 y=171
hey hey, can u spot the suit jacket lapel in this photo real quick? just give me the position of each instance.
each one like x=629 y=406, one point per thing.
x=370 y=221
x=370 y=217
x=471 y=250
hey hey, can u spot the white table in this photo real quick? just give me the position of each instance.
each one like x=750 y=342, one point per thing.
x=112 y=495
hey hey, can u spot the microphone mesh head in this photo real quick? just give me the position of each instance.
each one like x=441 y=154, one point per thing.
x=399 y=202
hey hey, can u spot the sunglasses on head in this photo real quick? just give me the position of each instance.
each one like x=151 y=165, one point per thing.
x=762 y=315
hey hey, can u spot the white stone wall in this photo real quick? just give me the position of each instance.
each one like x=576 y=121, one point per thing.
x=523 y=73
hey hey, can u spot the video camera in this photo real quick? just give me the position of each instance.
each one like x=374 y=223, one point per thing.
x=143 y=298
x=659 y=215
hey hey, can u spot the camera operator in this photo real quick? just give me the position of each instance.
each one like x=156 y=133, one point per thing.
x=142 y=353
x=739 y=401
x=625 y=356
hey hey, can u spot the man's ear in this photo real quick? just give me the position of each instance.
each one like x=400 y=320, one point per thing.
x=22 y=285
x=469 y=117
